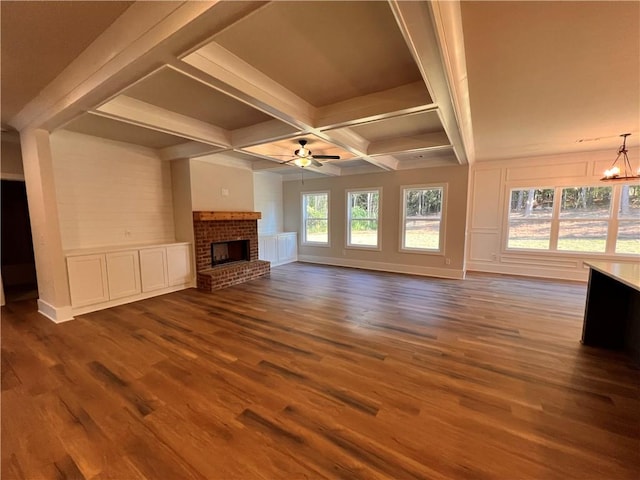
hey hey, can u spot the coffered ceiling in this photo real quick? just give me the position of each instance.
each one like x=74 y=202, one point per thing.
x=383 y=85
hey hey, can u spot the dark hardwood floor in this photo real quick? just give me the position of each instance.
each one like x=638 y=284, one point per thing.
x=321 y=372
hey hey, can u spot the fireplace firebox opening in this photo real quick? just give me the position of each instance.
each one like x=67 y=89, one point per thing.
x=227 y=252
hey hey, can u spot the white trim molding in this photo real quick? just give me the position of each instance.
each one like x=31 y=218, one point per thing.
x=450 y=273
x=55 y=314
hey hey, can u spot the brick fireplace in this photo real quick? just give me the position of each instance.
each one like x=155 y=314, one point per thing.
x=217 y=239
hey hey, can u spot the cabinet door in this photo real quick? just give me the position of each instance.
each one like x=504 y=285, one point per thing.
x=153 y=268
x=268 y=249
x=287 y=247
x=123 y=273
x=87 y=279
x=179 y=265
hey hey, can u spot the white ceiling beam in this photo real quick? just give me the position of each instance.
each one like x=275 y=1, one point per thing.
x=137 y=112
x=447 y=17
x=402 y=100
x=269 y=131
x=352 y=142
x=406 y=144
x=187 y=150
x=234 y=76
x=416 y=25
x=388 y=162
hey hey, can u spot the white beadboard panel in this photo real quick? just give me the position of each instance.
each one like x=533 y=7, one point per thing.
x=267 y=198
x=486 y=198
x=110 y=193
x=485 y=246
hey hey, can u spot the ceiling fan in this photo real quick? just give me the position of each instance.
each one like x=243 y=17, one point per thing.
x=304 y=158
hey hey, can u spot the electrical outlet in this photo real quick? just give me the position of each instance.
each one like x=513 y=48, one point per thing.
x=447 y=261
x=344 y=253
x=224 y=192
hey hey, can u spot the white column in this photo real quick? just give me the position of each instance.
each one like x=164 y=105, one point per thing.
x=53 y=287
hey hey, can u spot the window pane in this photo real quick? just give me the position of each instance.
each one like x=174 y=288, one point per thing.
x=423 y=203
x=316 y=212
x=363 y=215
x=630 y=202
x=628 y=237
x=583 y=236
x=364 y=232
x=364 y=204
x=585 y=202
x=532 y=234
x=422 y=234
x=316 y=205
x=531 y=203
x=317 y=230
x=422 y=214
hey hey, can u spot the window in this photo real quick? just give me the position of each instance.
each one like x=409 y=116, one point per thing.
x=363 y=212
x=421 y=218
x=315 y=218
x=530 y=215
x=628 y=240
x=576 y=219
x=584 y=219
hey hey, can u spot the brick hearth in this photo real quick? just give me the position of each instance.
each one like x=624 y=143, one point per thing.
x=213 y=227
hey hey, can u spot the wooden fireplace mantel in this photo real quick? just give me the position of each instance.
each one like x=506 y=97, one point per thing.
x=211 y=216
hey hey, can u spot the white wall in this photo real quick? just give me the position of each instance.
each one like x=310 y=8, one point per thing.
x=110 y=193
x=389 y=257
x=221 y=187
x=489 y=186
x=267 y=199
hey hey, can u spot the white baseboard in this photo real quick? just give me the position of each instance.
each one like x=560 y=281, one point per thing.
x=385 y=267
x=531 y=271
x=121 y=301
x=55 y=314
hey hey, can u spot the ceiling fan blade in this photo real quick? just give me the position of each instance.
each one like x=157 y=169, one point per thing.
x=287 y=161
x=327 y=157
x=315 y=162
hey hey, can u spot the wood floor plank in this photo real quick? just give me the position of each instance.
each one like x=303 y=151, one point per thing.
x=321 y=372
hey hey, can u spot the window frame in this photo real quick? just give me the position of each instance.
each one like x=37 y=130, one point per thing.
x=348 y=244
x=612 y=221
x=304 y=218
x=441 y=230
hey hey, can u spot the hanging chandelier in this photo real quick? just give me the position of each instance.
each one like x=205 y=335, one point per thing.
x=614 y=173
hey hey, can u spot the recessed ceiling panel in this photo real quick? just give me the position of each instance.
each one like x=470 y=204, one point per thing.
x=403 y=126
x=325 y=52
x=178 y=93
x=122 y=132
x=40 y=39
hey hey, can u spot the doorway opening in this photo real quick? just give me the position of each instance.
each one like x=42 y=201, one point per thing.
x=17 y=261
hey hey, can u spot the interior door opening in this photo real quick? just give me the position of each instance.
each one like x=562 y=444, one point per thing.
x=17 y=261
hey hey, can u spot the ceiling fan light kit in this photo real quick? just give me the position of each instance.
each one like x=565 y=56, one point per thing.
x=303 y=156
x=614 y=173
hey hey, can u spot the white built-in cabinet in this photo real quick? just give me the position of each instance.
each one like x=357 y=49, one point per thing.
x=153 y=265
x=123 y=273
x=88 y=282
x=101 y=278
x=279 y=248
